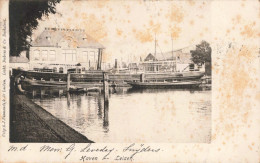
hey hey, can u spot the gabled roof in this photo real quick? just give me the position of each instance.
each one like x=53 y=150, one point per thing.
x=53 y=37
x=150 y=57
x=183 y=55
x=20 y=59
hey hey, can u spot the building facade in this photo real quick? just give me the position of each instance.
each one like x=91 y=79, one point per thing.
x=177 y=61
x=60 y=49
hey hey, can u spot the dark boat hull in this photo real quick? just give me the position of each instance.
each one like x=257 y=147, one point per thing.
x=95 y=79
x=174 y=76
x=45 y=83
x=165 y=85
x=98 y=76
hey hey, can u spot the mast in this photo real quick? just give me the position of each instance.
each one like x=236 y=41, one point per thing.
x=175 y=62
x=172 y=54
x=155 y=46
x=155 y=67
x=175 y=66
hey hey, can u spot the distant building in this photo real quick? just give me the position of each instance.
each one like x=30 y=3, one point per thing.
x=150 y=57
x=178 y=60
x=61 y=49
x=133 y=67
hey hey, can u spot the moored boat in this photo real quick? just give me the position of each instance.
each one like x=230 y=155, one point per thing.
x=87 y=80
x=155 y=85
x=74 y=89
x=44 y=83
x=190 y=75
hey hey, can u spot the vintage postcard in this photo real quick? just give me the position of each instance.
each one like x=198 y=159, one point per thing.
x=130 y=81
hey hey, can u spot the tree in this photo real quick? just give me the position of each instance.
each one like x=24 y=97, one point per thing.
x=23 y=19
x=202 y=55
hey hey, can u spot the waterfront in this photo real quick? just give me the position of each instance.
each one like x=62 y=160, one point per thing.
x=159 y=116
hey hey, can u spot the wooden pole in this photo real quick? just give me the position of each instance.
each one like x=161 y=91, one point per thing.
x=68 y=81
x=106 y=96
x=105 y=87
x=98 y=65
x=106 y=110
x=100 y=60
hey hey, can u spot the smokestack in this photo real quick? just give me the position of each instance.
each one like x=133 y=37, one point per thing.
x=115 y=63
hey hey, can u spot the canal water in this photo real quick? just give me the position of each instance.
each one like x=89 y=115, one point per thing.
x=155 y=116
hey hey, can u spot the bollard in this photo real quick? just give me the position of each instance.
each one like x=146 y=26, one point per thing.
x=60 y=92
x=33 y=93
x=68 y=81
x=42 y=93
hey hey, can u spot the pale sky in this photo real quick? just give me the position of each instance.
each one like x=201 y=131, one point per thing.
x=127 y=29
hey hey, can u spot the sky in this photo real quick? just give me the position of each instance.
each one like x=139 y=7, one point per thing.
x=127 y=29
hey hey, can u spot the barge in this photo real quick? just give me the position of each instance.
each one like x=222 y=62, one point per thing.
x=95 y=79
x=159 y=85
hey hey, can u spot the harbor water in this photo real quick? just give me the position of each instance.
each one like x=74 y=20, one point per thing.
x=149 y=115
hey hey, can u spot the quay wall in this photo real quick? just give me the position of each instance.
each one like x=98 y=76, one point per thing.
x=59 y=128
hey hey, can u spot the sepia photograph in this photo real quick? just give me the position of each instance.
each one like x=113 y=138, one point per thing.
x=129 y=81
x=81 y=73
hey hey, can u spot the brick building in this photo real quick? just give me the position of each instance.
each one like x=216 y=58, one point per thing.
x=62 y=49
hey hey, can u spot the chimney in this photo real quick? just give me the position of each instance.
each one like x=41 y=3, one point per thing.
x=115 y=63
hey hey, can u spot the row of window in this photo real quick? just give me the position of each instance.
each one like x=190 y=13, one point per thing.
x=67 y=55
x=61 y=69
x=44 y=55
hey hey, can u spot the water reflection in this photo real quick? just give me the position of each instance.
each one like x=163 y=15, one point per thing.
x=100 y=112
x=106 y=120
x=132 y=115
x=68 y=100
x=134 y=90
